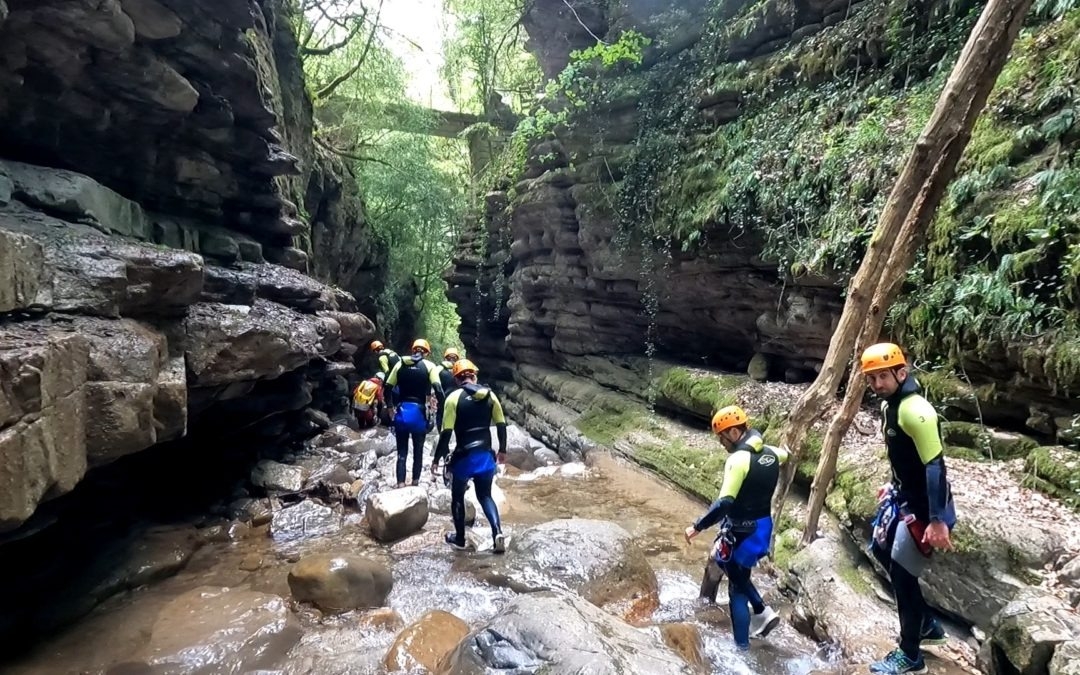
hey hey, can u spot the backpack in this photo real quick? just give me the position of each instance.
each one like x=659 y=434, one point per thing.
x=365 y=394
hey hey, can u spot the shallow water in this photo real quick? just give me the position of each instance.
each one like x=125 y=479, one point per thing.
x=428 y=576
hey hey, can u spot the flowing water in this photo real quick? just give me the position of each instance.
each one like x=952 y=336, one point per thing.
x=429 y=576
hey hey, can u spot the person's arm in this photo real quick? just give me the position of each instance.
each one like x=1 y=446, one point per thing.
x=391 y=382
x=919 y=420
x=384 y=362
x=499 y=419
x=782 y=454
x=440 y=395
x=735 y=470
x=448 y=421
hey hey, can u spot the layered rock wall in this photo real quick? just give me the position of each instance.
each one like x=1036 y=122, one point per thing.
x=642 y=226
x=161 y=207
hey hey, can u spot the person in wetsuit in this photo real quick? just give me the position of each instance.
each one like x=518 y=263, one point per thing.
x=916 y=510
x=446 y=369
x=470 y=411
x=415 y=378
x=743 y=511
x=387 y=358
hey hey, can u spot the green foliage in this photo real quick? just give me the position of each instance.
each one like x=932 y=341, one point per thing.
x=413 y=184
x=697 y=393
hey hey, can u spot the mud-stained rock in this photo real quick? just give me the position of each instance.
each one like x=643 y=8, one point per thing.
x=559 y=634
x=217 y=630
x=596 y=559
x=835 y=602
x=685 y=640
x=277 y=477
x=1026 y=634
x=339 y=581
x=425 y=642
x=381 y=618
x=396 y=514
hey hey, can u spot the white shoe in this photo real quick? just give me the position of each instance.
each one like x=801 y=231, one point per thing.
x=500 y=543
x=763 y=624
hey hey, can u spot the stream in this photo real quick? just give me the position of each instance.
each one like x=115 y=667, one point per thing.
x=427 y=575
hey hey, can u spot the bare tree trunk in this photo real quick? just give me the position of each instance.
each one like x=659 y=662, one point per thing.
x=908 y=212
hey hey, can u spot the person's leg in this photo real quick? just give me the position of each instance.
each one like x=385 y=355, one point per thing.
x=458 y=486
x=738 y=577
x=418 y=456
x=911 y=607
x=402 y=438
x=483 y=495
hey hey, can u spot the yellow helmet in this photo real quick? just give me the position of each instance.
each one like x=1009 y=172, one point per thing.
x=376 y=345
x=421 y=345
x=880 y=356
x=464 y=366
x=725 y=418
x=451 y=351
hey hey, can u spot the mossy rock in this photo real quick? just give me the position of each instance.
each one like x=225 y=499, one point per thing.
x=1055 y=471
x=990 y=442
x=697 y=470
x=698 y=394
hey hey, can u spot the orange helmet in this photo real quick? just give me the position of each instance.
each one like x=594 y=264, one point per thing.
x=451 y=351
x=882 y=355
x=421 y=345
x=725 y=418
x=376 y=345
x=464 y=366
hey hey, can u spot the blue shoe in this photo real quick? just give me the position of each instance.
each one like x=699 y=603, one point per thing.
x=932 y=634
x=898 y=663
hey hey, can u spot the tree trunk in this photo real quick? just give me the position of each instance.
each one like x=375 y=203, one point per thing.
x=908 y=212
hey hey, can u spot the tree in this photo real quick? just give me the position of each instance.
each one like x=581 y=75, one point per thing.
x=898 y=236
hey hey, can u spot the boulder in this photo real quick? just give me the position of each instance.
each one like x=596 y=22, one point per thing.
x=559 y=634
x=338 y=581
x=1066 y=659
x=596 y=559
x=425 y=642
x=22 y=271
x=1025 y=634
x=685 y=640
x=382 y=618
x=759 y=367
x=546 y=457
x=217 y=630
x=396 y=514
x=277 y=477
x=440 y=503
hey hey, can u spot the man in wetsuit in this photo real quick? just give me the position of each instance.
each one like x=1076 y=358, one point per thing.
x=415 y=378
x=446 y=370
x=388 y=358
x=743 y=510
x=916 y=511
x=470 y=411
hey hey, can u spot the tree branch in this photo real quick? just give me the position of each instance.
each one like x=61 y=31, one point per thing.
x=344 y=77
x=330 y=49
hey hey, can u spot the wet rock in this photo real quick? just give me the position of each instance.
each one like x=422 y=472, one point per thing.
x=386 y=448
x=340 y=581
x=425 y=642
x=1024 y=636
x=521 y=457
x=597 y=559
x=21 y=270
x=255 y=511
x=1066 y=659
x=306 y=519
x=334 y=435
x=546 y=457
x=328 y=474
x=354 y=447
x=383 y=618
x=276 y=477
x=441 y=500
x=685 y=640
x=396 y=514
x=835 y=602
x=251 y=562
x=559 y=634
x=217 y=630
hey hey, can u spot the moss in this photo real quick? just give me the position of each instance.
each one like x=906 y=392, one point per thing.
x=605 y=425
x=853 y=576
x=1054 y=471
x=697 y=393
x=787 y=545
x=699 y=471
x=972 y=436
x=964 y=538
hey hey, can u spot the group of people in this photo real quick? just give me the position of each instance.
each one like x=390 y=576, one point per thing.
x=414 y=395
x=915 y=511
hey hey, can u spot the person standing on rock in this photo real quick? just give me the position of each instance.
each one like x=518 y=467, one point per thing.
x=470 y=411
x=415 y=378
x=388 y=358
x=743 y=510
x=368 y=401
x=916 y=510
